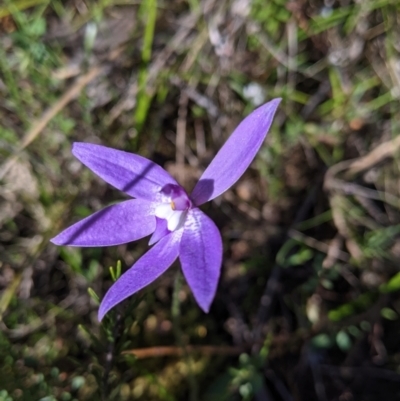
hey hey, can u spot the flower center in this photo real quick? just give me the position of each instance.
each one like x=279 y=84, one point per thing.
x=174 y=207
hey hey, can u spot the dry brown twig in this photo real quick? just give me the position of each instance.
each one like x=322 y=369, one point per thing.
x=357 y=166
x=181 y=135
x=200 y=99
x=334 y=249
x=376 y=156
x=318 y=245
x=128 y=101
x=337 y=181
x=158 y=352
x=349 y=169
x=39 y=125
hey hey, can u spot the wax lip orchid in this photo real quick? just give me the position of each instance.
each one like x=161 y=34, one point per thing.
x=162 y=209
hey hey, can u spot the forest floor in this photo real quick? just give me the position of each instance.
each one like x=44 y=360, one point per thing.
x=308 y=304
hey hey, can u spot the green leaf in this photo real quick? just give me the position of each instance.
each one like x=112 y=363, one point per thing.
x=93 y=295
x=116 y=274
x=148 y=11
x=322 y=341
x=73 y=257
x=392 y=285
x=343 y=340
x=389 y=314
x=362 y=302
x=300 y=257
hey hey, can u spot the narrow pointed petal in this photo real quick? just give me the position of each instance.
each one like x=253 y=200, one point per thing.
x=160 y=231
x=130 y=173
x=236 y=155
x=147 y=269
x=116 y=224
x=201 y=256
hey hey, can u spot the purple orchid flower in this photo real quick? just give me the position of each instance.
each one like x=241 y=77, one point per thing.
x=162 y=208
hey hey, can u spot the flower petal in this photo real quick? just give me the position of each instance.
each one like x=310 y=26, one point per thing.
x=148 y=268
x=160 y=231
x=133 y=174
x=201 y=256
x=236 y=155
x=116 y=224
